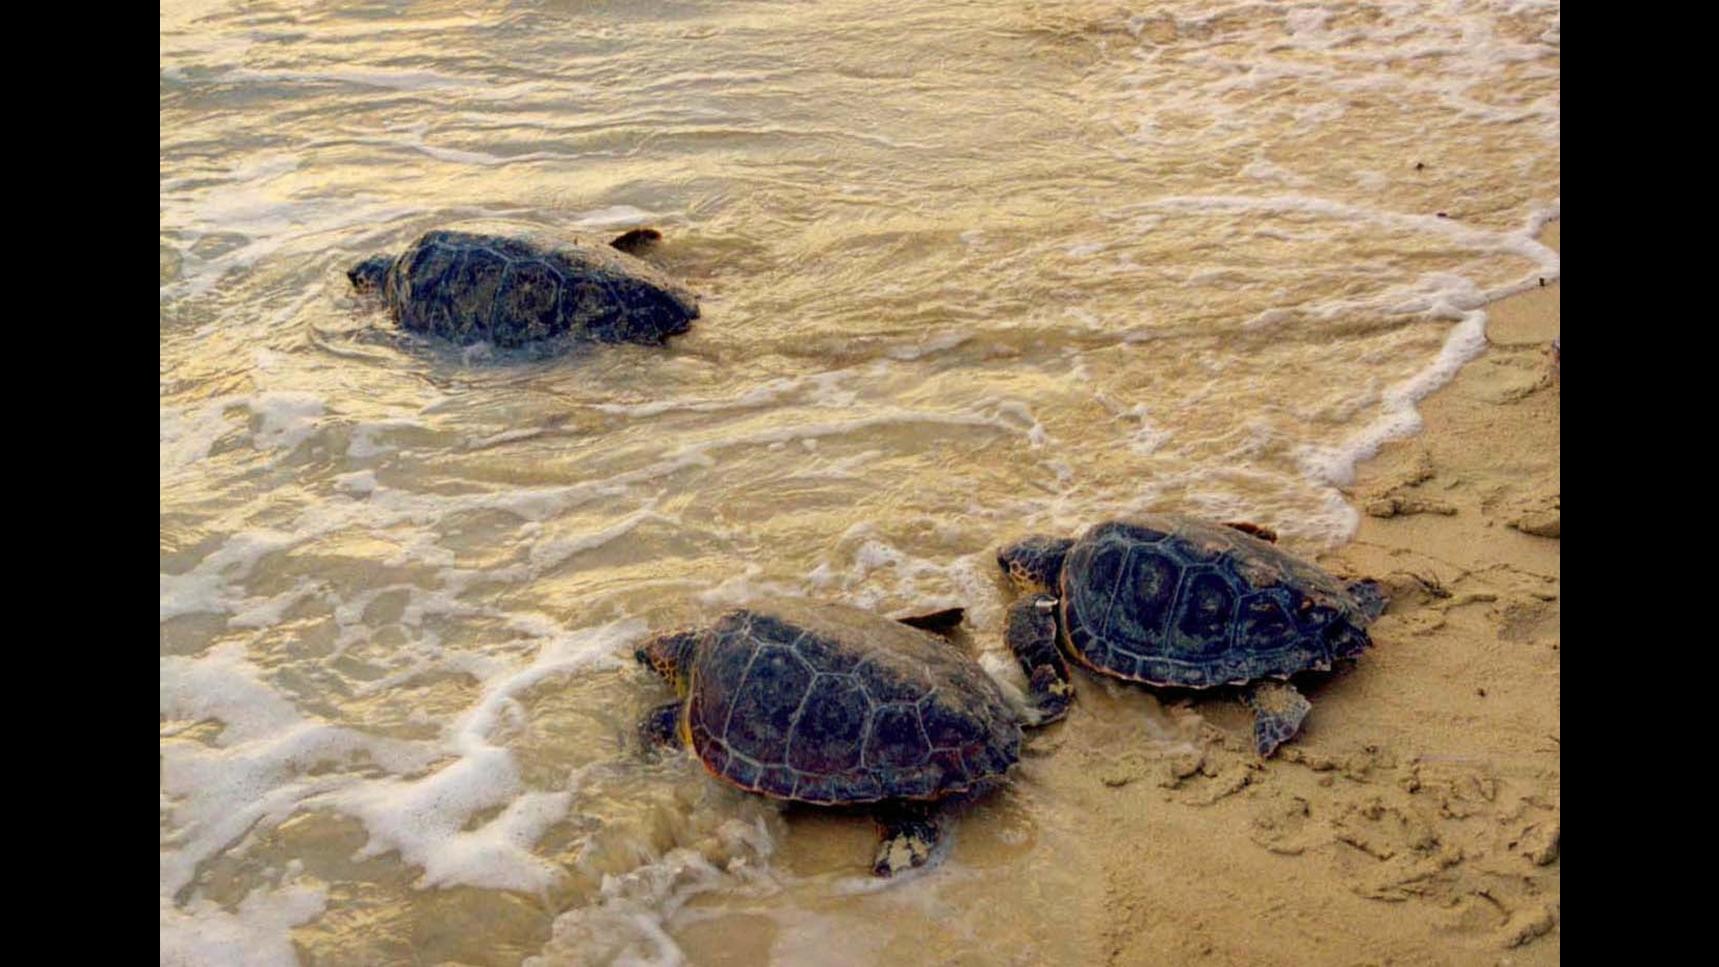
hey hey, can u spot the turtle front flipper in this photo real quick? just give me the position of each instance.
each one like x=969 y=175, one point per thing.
x=1263 y=533
x=1031 y=634
x=937 y=622
x=661 y=725
x=910 y=833
x=1278 y=710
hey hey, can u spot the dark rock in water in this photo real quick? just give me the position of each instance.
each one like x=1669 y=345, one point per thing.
x=472 y=288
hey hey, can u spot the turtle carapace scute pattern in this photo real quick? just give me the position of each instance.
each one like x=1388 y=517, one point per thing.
x=830 y=705
x=470 y=288
x=1175 y=601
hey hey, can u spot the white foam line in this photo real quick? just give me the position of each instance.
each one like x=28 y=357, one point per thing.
x=615 y=216
x=288 y=418
x=397 y=80
x=893 y=416
x=207 y=587
x=203 y=934
x=743 y=588
x=1515 y=243
x=928 y=347
x=627 y=921
x=1336 y=465
x=842 y=468
x=424 y=819
x=204 y=588
x=754 y=398
x=268 y=226
x=870 y=555
x=188 y=433
x=256 y=769
x=487 y=160
x=504 y=437
x=268 y=612
x=426 y=656
x=548 y=554
x=362 y=444
x=223 y=685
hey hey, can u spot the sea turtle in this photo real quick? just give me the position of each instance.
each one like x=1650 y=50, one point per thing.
x=826 y=704
x=1174 y=601
x=470 y=288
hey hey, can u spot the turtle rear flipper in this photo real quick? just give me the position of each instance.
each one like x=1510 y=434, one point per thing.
x=910 y=833
x=937 y=622
x=637 y=240
x=1278 y=711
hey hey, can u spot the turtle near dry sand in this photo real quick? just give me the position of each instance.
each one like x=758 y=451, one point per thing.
x=471 y=288
x=1174 y=601
x=830 y=705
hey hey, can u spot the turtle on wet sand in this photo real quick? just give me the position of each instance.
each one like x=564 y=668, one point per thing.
x=471 y=288
x=826 y=704
x=1175 y=601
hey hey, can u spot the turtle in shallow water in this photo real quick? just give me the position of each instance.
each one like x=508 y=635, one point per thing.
x=471 y=288
x=1174 y=601
x=826 y=704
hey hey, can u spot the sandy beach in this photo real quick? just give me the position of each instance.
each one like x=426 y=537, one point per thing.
x=1416 y=820
x=966 y=273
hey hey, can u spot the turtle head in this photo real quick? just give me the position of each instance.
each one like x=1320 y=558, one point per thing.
x=368 y=275
x=1035 y=563
x=637 y=240
x=669 y=655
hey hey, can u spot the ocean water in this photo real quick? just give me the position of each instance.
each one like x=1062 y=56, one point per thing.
x=968 y=271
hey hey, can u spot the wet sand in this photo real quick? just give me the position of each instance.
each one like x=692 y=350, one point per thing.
x=1417 y=818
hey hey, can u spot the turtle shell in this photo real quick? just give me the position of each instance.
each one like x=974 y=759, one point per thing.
x=829 y=704
x=470 y=288
x=1171 y=600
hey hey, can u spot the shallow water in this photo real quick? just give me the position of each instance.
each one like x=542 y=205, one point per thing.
x=969 y=271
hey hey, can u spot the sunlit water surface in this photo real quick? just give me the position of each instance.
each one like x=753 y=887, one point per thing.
x=969 y=271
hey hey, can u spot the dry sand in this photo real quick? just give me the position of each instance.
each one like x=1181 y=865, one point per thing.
x=1416 y=819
